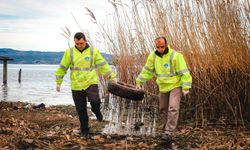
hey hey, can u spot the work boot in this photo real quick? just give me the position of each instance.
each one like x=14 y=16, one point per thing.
x=85 y=134
x=99 y=117
x=166 y=137
x=167 y=140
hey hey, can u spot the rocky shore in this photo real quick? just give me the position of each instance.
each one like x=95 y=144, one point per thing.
x=25 y=126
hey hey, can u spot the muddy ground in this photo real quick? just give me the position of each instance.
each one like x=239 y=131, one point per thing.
x=23 y=126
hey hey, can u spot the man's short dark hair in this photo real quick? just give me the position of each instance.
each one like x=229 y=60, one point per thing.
x=162 y=37
x=79 y=35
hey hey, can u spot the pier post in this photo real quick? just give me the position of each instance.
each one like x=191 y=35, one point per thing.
x=5 y=69
x=19 y=75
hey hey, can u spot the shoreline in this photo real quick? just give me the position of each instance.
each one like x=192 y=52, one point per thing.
x=57 y=127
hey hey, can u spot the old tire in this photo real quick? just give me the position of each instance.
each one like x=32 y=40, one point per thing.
x=125 y=90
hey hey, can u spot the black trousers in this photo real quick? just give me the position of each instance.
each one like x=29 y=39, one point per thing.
x=80 y=100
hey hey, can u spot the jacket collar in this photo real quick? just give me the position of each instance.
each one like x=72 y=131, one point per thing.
x=165 y=52
x=86 y=47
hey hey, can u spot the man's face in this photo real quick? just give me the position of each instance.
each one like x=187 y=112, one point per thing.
x=80 y=44
x=160 y=45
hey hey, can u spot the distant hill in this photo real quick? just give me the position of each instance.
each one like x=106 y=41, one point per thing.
x=37 y=57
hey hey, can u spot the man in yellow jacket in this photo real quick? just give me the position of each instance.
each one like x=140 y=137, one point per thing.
x=84 y=61
x=173 y=79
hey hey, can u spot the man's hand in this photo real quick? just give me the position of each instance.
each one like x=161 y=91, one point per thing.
x=185 y=92
x=58 y=87
x=114 y=79
x=138 y=86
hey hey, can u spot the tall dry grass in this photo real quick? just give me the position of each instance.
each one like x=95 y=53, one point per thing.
x=214 y=38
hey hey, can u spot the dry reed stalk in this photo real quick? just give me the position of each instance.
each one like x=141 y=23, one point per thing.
x=214 y=38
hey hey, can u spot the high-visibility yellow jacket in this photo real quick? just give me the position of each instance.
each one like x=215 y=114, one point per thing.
x=83 y=67
x=170 y=69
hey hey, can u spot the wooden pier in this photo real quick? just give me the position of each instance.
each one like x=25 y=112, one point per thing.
x=5 y=59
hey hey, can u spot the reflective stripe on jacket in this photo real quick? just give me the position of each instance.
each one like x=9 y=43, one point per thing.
x=83 y=68
x=170 y=69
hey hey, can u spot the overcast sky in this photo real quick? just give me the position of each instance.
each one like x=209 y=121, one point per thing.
x=36 y=24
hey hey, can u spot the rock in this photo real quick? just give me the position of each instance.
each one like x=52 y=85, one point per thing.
x=28 y=106
x=28 y=141
x=108 y=137
x=96 y=137
x=50 y=134
x=39 y=106
x=75 y=132
x=57 y=128
x=130 y=138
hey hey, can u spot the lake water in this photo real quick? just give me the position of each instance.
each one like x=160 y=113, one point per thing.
x=37 y=85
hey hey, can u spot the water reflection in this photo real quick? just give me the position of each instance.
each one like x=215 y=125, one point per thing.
x=127 y=117
x=4 y=92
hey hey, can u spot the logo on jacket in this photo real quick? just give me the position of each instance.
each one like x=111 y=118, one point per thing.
x=165 y=65
x=87 y=58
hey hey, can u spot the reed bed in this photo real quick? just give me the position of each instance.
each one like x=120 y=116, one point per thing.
x=212 y=35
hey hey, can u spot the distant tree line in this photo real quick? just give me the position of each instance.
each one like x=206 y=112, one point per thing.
x=37 y=57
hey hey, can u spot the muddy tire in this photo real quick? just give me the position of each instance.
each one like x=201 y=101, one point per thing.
x=125 y=90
